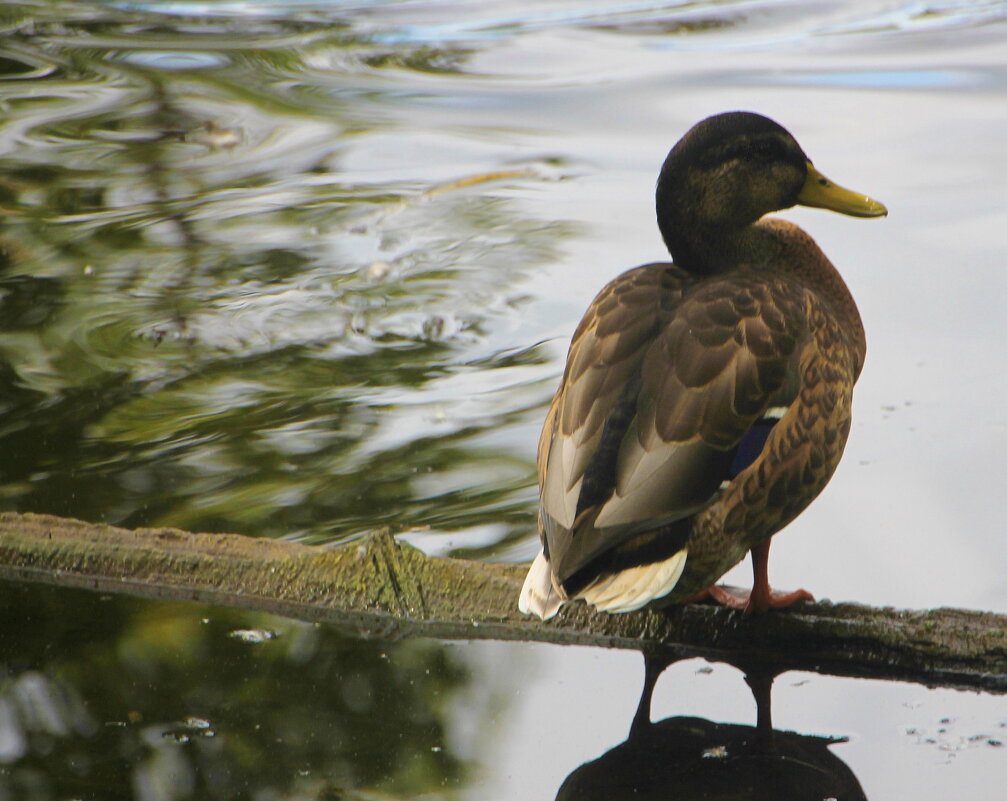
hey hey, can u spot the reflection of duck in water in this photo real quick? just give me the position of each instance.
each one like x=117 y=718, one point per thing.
x=684 y=758
x=705 y=403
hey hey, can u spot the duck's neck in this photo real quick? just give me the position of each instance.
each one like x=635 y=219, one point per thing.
x=707 y=228
x=712 y=250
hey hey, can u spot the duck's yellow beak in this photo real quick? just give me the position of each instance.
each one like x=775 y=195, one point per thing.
x=820 y=192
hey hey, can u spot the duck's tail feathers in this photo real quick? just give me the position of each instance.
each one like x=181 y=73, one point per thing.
x=538 y=595
x=635 y=587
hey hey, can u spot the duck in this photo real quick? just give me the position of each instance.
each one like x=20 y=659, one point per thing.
x=705 y=401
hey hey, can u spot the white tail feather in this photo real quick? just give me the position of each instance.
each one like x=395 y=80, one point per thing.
x=539 y=595
x=635 y=587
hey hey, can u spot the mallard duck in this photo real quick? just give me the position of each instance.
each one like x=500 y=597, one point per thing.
x=706 y=401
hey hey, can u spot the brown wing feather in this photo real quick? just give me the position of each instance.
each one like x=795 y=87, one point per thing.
x=605 y=353
x=663 y=379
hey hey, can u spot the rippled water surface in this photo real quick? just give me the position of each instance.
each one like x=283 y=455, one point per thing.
x=305 y=269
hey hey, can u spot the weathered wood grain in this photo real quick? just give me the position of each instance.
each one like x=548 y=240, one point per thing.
x=381 y=587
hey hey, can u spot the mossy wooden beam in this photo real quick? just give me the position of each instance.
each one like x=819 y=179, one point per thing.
x=381 y=587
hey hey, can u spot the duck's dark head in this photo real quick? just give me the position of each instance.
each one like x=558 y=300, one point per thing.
x=727 y=172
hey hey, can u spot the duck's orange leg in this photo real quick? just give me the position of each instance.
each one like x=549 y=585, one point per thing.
x=761 y=597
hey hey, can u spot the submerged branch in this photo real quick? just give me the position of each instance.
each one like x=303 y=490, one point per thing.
x=381 y=587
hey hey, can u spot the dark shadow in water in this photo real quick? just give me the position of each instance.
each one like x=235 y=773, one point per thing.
x=694 y=758
x=114 y=698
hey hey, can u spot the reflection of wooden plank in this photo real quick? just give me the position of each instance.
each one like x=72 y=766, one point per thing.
x=379 y=586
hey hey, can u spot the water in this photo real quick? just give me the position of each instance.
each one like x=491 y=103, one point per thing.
x=306 y=269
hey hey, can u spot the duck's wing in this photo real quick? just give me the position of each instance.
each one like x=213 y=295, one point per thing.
x=665 y=383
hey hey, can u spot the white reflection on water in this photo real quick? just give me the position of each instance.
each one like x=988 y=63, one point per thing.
x=179 y=60
x=883 y=79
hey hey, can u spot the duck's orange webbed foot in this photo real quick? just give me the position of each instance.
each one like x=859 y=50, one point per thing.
x=760 y=600
x=760 y=597
x=731 y=597
x=748 y=601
